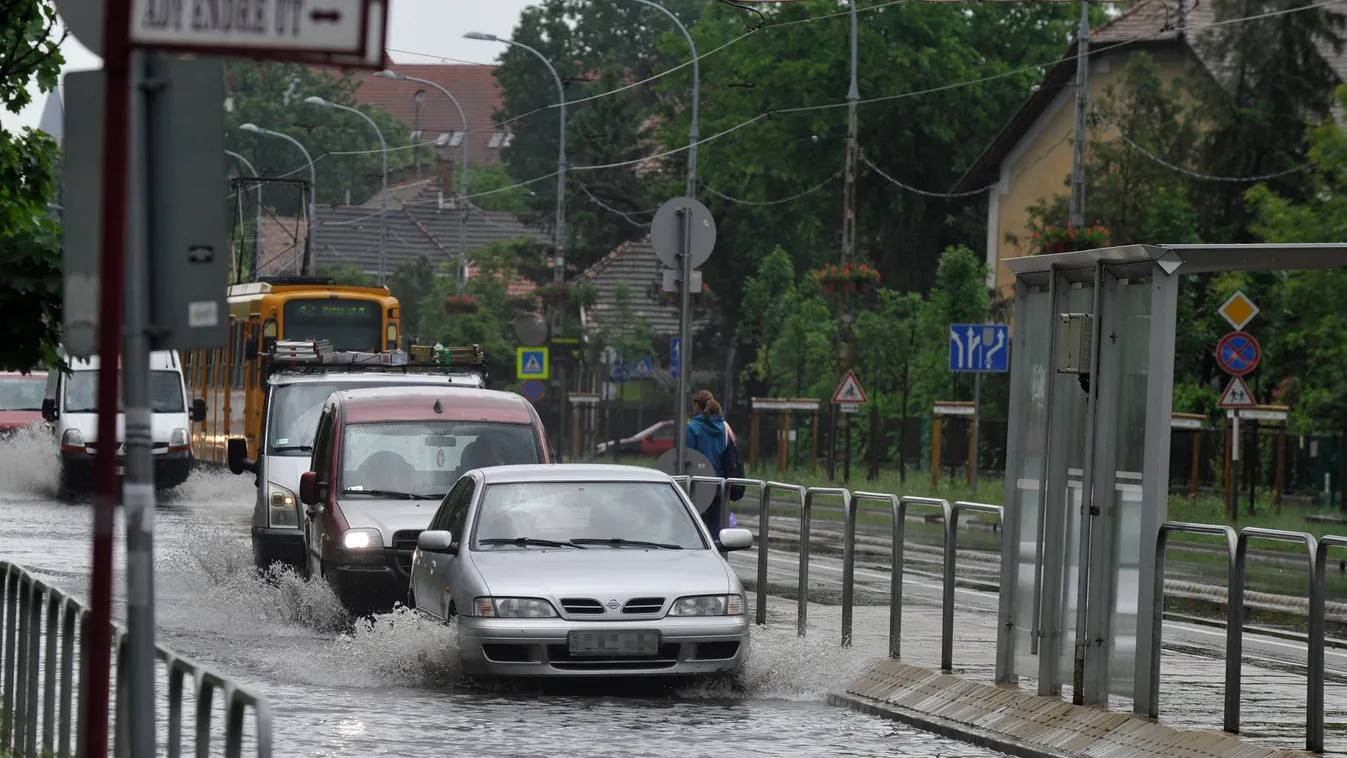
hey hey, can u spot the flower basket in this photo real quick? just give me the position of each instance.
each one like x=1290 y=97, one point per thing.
x=1060 y=239
x=461 y=304
x=698 y=298
x=554 y=294
x=849 y=278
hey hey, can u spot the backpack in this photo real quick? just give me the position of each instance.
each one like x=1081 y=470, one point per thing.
x=733 y=466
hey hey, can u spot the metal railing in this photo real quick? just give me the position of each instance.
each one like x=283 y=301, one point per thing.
x=847 y=550
x=1237 y=546
x=951 y=559
x=39 y=660
x=763 y=518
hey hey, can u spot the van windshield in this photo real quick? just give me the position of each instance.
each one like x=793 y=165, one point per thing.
x=427 y=457
x=22 y=393
x=166 y=393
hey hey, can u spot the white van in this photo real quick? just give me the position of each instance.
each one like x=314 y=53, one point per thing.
x=294 y=402
x=71 y=406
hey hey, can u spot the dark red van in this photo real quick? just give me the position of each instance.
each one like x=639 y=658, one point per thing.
x=383 y=460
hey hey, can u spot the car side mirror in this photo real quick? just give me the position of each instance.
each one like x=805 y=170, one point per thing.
x=237 y=453
x=49 y=409
x=199 y=409
x=735 y=539
x=435 y=541
x=308 y=488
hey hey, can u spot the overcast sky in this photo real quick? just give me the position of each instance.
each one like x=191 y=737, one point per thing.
x=433 y=28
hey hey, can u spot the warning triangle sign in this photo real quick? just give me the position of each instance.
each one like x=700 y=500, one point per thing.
x=1237 y=395
x=849 y=392
x=532 y=365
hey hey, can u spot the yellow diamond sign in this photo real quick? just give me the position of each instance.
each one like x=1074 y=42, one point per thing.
x=1239 y=310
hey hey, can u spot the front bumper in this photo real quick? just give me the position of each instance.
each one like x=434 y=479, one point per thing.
x=273 y=545
x=373 y=579
x=170 y=469
x=539 y=648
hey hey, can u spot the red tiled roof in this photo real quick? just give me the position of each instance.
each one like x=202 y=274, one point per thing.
x=474 y=87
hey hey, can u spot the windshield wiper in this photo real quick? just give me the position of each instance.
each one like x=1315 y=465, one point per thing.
x=522 y=541
x=623 y=542
x=293 y=449
x=394 y=494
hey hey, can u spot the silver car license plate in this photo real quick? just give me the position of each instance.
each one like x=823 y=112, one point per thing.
x=614 y=643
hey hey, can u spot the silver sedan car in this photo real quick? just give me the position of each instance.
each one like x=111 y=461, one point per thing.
x=581 y=570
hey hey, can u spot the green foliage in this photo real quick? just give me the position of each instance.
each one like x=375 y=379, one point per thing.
x=30 y=250
x=271 y=96
x=622 y=331
x=494 y=178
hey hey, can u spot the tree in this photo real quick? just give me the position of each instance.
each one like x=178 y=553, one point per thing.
x=271 y=96
x=30 y=250
x=595 y=46
x=495 y=179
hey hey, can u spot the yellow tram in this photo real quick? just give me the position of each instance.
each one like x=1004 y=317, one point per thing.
x=362 y=319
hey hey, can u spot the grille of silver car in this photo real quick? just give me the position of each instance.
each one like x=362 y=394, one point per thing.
x=643 y=605
x=404 y=542
x=581 y=606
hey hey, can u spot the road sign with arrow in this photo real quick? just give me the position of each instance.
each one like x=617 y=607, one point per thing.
x=979 y=348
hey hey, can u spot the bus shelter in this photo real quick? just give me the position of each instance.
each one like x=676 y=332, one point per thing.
x=1088 y=455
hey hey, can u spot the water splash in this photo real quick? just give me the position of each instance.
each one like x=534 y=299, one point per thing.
x=211 y=485
x=29 y=464
x=783 y=666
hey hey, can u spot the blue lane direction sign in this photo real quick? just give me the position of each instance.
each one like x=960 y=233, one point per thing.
x=673 y=357
x=979 y=348
x=644 y=368
x=531 y=363
x=1237 y=353
x=533 y=390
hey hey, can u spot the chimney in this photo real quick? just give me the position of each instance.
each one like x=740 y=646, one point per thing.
x=444 y=174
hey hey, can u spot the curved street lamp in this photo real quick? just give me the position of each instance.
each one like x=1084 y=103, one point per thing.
x=257 y=191
x=383 y=203
x=462 y=173
x=313 y=189
x=561 y=157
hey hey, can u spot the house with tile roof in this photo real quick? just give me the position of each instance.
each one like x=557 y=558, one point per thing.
x=1030 y=159
x=429 y=114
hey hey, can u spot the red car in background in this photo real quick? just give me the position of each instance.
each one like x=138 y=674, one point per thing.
x=20 y=400
x=651 y=442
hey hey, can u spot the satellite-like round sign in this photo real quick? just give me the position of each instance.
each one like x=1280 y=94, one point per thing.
x=666 y=232
x=531 y=329
x=696 y=465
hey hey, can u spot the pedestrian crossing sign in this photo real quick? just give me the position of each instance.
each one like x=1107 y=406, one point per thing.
x=532 y=363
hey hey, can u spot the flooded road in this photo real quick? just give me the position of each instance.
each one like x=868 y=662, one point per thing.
x=390 y=687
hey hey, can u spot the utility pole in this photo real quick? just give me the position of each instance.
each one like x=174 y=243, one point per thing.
x=844 y=317
x=1076 y=217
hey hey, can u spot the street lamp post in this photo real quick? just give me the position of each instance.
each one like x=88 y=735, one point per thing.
x=257 y=189
x=309 y=251
x=462 y=174
x=696 y=95
x=383 y=202
x=560 y=262
x=560 y=275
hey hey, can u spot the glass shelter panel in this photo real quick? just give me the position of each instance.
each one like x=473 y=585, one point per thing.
x=1032 y=343
x=1132 y=304
x=1070 y=409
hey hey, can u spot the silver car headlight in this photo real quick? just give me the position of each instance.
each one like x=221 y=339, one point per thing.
x=362 y=539
x=281 y=508
x=708 y=605
x=513 y=608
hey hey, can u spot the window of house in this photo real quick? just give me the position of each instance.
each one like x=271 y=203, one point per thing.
x=509 y=137
x=443 y=139
x=456 y=139
x=416 y=134
x=496 y=140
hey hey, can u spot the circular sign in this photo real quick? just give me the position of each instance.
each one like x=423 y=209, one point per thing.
x=666 y=232
x=533 y=390
x=531 y=329
x=1237 y=353
x=696 y=464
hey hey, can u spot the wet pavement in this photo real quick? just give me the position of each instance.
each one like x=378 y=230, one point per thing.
x=391 y=688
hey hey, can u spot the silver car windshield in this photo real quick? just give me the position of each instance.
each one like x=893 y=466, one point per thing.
x=427 y=457
x=591 y=514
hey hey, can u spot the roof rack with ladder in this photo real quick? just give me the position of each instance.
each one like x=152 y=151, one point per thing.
x=318 y=355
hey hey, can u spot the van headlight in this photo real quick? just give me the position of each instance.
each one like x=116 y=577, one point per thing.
x=362 y=539
x=72 y=438
x=178 y=438
x=513 y=608
x=281 y=508
x=708 y=605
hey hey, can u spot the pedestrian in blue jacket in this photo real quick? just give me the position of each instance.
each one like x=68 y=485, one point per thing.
x=708 y=435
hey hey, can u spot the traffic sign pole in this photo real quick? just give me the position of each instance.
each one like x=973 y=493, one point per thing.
x=684 y=337
x=112 y=272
